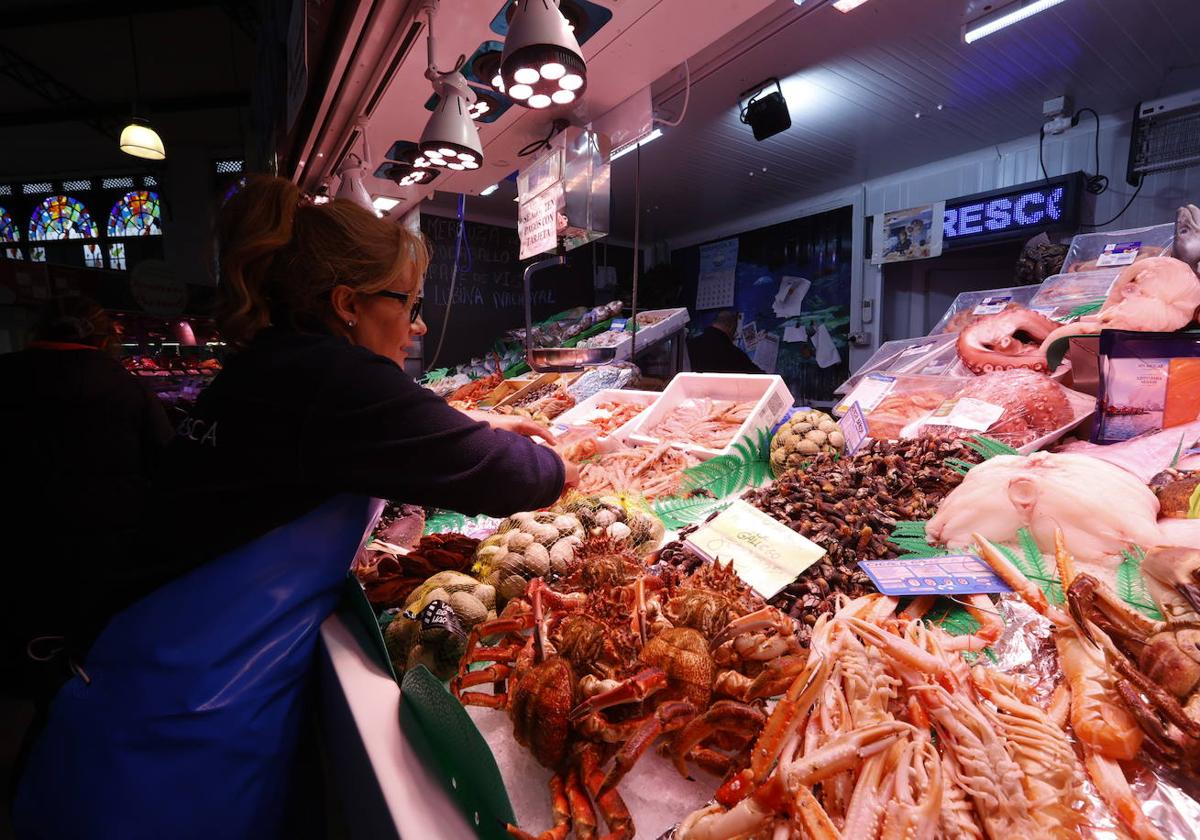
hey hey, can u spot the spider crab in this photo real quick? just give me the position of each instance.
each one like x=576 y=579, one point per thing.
x=588 y=677
x=1157 y=663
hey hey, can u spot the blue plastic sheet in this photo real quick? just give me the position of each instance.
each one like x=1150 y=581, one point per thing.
x=191 y=721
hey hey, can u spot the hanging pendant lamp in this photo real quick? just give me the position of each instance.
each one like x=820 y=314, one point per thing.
x=138 y=138
x=450 y=139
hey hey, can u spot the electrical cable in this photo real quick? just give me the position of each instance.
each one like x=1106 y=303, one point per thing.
x=556 y=128
x=1041 y=158
x=1141 y=184
x=687 y=95
x=458 y=243
x=1096 y=184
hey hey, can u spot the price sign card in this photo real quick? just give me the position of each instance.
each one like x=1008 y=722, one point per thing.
x=957 y=574
x=854 y=429
x=766 y=554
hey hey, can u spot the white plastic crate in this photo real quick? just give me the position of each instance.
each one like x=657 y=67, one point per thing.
x=676 y=319
x=575 y=418
x=771 y=397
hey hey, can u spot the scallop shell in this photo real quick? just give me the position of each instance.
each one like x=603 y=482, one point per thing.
x=519 y=540
x=537 y=560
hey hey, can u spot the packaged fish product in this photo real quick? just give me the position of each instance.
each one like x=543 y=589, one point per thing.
x=1065 y=297
x=1148 y=381
x=931 y=355
x=969 y=307
x=1118 y=248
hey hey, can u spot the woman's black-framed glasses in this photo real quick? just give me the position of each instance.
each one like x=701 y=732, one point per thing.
x=404 y=297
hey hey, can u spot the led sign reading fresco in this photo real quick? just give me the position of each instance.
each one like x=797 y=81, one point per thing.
x=1000 y=214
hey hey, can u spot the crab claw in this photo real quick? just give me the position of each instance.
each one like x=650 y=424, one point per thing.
x=766 y=618
x=635 y=689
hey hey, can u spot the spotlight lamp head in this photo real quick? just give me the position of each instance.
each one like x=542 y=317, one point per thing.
x=450 y=138
x=765 y=110
x=541 y=63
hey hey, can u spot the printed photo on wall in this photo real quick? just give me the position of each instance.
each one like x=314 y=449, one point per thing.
x=912 y=234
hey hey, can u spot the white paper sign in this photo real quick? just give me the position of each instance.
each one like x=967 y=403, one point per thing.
x=827 y=352
x=766 y=352
x=766 y=554
x=868 y=393
x=537 y=222
x=789 y=300
x=965 y=413
x=854 y=429
x=791 y=335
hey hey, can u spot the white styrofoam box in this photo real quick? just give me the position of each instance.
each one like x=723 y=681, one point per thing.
x=675 y=320
x=771 y=397
x=574 y=417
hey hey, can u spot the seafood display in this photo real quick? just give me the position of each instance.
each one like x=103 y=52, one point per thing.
x=1006 y=340
x=702 y=422
x=648 y=471
x=1061 y=702
x=1159 y=294
x=849 y=506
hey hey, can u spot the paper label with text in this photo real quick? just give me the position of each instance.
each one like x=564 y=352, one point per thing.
x=766 y=554
x=958 y=574
x=965 y=413
x=868 y=393
x=854 y=428
x=1118 y=253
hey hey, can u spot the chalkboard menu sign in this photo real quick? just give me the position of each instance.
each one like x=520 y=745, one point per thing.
x=488 y=296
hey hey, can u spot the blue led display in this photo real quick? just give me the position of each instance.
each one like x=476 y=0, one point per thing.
x=1002 y=213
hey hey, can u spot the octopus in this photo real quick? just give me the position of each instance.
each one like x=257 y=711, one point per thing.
x=1187 y=236
x=1159 y=294
x=1006 y=340
x=1034 y=405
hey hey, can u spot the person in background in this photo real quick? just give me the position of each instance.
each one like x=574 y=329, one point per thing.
x=203 y=674
x=713 y=351
x=81 y=436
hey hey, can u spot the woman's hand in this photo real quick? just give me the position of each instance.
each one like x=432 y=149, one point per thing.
x=572 y=470
x=515 y=424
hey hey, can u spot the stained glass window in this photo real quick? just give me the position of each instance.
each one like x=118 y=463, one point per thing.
x=117 y=183
x=14 y=254
x=37 y=254
x=93 y=257
x=61 y=217
x=8 y=231
x=136 y=214
x=116 y=255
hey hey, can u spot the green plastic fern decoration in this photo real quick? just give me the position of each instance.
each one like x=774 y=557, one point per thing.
x=989 y=448
x=910 y=539
x=1084 y=309
x=748 y=465
x=1131 y=586
x=1049 y=583
x=445 y=521
x=678 y=512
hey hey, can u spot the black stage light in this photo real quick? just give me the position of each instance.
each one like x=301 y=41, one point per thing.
x=765 y=113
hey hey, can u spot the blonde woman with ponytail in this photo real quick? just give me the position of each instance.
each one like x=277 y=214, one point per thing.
x=184 y=719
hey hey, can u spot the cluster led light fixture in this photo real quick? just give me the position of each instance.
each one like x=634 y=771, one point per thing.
x=542 y=64
x=450 y=139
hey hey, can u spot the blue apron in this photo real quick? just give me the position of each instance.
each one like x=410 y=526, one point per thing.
x=191 y=720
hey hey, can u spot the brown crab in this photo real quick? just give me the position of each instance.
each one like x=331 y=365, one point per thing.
x=1158 y=662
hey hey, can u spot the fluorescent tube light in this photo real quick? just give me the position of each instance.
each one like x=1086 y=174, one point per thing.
x=845 y=6
x=629 y=147
x=1004 y=17
x=489 y=190
x=384 y=203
